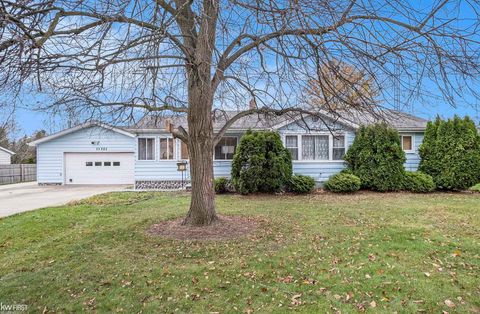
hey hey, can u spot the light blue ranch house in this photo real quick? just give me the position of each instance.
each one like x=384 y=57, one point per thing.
x=146 y=155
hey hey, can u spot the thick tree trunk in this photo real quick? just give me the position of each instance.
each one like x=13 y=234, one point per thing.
x=200 y=144
x=202 y=206
x=200 y=124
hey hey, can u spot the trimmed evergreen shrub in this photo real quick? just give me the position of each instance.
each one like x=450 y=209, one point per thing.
x=450 y=153
x=301 y=184
x=343 y=183
x=261 y=163
x=377 y=158
x=222 y=185
x=418 y=182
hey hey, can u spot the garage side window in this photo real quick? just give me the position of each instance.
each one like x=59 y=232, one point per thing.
x=407 y=143
x=146 y=149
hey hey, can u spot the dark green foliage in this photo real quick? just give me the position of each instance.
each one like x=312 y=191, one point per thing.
x=343 y=183
x=418 y=182
x=377 y=158
x=261 y=163
x=223 y=185
x=450 y=153
x=301 y=184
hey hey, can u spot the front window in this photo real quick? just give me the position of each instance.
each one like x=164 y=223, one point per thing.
x=291 y=143
x=315 y=147
x=167 y=149
x=338 y=147
x=225 y=149
x=407 y=142
x=146 y=149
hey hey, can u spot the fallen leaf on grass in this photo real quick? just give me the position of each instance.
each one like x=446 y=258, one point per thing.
x=449 y=303
x=373 y=304
x=296 y=299
x=287 y=279
x=456 y=253
x=349 y=296
x=126 y=283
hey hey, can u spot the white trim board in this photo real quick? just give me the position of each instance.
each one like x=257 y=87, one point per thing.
x=7 y=151
x=78 y=128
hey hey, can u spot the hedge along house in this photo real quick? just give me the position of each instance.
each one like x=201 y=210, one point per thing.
x=146 y=155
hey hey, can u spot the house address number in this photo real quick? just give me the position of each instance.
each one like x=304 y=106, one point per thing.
x=101 y=149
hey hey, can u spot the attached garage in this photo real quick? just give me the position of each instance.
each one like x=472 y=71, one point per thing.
x=92 y=153
x=99 y=168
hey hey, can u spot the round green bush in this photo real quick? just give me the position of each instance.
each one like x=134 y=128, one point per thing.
x=418 y=182
x=377 y=158
x=222 y=185
x=261 y=163
x=343 y=183
x=301 y=184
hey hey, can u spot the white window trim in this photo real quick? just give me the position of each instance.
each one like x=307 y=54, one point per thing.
x=298 y=144
x=155 y=143
x=344 y=145
x=229 y=160
x=330 y=146
x=411 y=151
x=172 y=141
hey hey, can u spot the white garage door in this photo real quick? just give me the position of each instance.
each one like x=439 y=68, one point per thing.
x=99 y=168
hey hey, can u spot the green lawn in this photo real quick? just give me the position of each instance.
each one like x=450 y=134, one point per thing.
x=368 y=251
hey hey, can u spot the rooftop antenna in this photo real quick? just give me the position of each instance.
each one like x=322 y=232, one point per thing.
x=396 y=85
x=477 y=115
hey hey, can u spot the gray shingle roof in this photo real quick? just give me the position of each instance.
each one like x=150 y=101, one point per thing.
x=396 y=119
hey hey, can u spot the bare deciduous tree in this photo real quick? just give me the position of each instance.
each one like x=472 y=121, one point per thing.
x=116 y=59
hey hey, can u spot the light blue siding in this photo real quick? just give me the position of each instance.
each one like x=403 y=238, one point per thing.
x=319 y=170
x=154 y=170
x=413 y=158
x=222 y=168
x=50 y=155
x=157 y=169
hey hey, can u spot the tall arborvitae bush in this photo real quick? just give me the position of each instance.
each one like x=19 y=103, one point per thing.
x=377 y=158
x=261 y=163
x=450 y=153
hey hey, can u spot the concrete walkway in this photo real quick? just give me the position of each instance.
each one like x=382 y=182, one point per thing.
x=21 y=197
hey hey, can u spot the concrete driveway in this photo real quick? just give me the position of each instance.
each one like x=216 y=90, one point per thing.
x=17 y=198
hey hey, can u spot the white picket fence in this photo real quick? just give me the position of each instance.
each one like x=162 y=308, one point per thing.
x=17 y=173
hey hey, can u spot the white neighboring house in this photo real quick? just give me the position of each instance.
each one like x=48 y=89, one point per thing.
x=146 y=155
x=5 y=156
